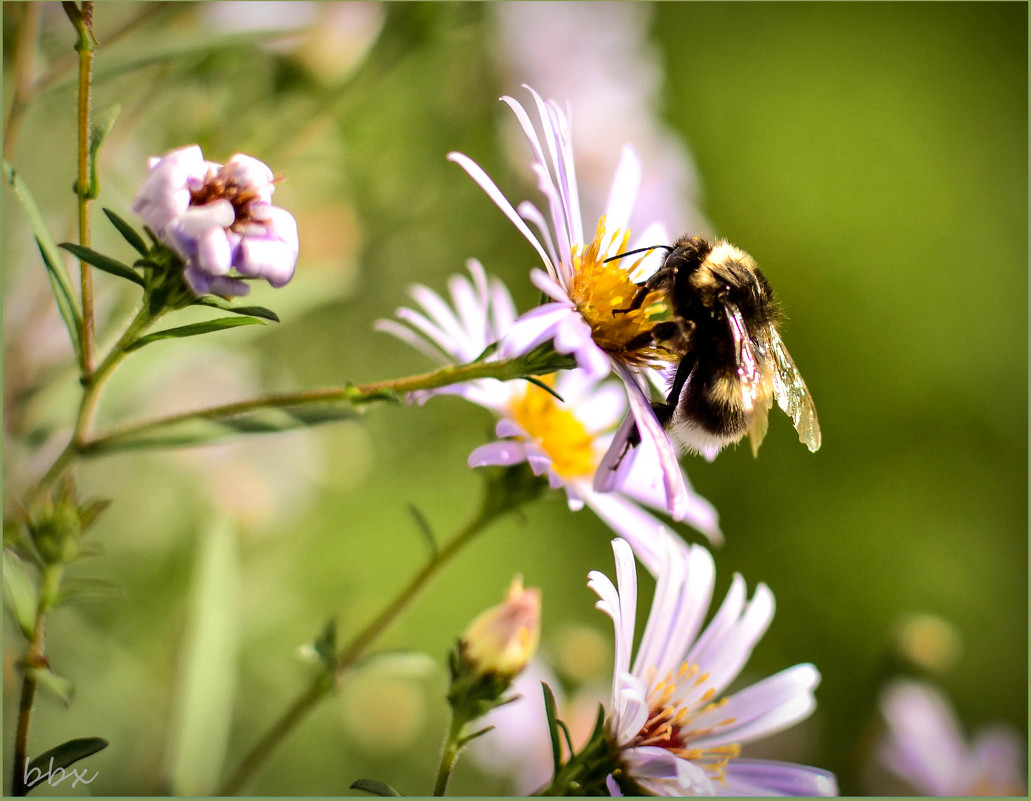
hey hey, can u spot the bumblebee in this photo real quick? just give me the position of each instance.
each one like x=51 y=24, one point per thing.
x=731 y=363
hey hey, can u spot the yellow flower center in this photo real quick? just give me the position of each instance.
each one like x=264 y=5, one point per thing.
x=603 y=292
x=669 y=724
x=556 y=430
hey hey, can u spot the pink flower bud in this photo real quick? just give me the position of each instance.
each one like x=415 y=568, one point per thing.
x=504 y=638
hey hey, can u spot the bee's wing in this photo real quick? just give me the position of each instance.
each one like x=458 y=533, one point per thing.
x=752 y=370
x=753 y=375
x=792 y=394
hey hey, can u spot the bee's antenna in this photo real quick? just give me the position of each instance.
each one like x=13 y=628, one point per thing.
x=638 y=250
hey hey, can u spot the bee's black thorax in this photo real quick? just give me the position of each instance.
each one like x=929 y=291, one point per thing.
x=707 y=284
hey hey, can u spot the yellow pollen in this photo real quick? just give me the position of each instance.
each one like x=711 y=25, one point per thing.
x=668 y=724
x=556 y=430
x=599 y=289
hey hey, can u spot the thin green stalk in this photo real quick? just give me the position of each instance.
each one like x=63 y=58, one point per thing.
x=86 y=46
x=95 y=382
x=449 y=758
x=325 y=683
x=35 y=657
x=445 y=376
x=91 y=391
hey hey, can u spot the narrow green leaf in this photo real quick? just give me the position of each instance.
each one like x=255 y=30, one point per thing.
x=424 y=527
x=326 y=642
x=79 y=590
x=203 y=704
x=105 y=263
x=58 y=686
x=20 y=593
x=89 y=513
x=550 y=390
x=62 y=756
x=67 y=303
x=399 y=662
x=569 y=737
x=373 y=787
x=462 y=743
x=194 y=329
x=549 y=709
x=98 y=132
x=129 y=234
x=487 y=351
x=224 y=305
x=599 y=723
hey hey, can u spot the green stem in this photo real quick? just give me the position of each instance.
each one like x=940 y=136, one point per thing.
x=490 y=510
x=92 y=386
x=449 y=758
x=85 y=46
x=35 y=657
x=357 y=395
x=95 y=382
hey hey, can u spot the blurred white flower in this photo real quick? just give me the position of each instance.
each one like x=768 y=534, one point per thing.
x=616 y=86
x=219 y=218
x=588 y=315
x=563 y=440
x=331 y=39
x=924 y=745
x=675 y=734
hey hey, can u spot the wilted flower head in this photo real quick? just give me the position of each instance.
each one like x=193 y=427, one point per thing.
x=504 y=638
x=924 y=745
x=220 y=219
x=588 y=315
x=674 y=734
x=565 y=439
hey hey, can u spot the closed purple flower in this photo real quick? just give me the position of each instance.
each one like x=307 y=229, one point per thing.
x=220 y=219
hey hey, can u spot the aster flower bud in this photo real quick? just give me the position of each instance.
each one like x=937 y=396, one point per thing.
x=503 y=639
x=495 y=648
x=219 y=219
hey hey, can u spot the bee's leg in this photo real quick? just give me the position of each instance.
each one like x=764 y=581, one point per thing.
x=639 y=296
x=642 y=340
x=664 y=411
x=660 y=333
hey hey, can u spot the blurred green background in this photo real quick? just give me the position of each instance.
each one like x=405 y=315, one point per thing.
x=872 y=157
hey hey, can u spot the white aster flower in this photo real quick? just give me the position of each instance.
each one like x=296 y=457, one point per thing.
x=585 y=291
x=564 y=441
x=675 y=733
x=924 y=745
x=220 y=219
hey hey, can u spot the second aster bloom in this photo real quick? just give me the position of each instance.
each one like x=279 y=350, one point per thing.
x=673 y=730
x=924 y=745
x=588 y=315
x=219 y=219
x=563 y=440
